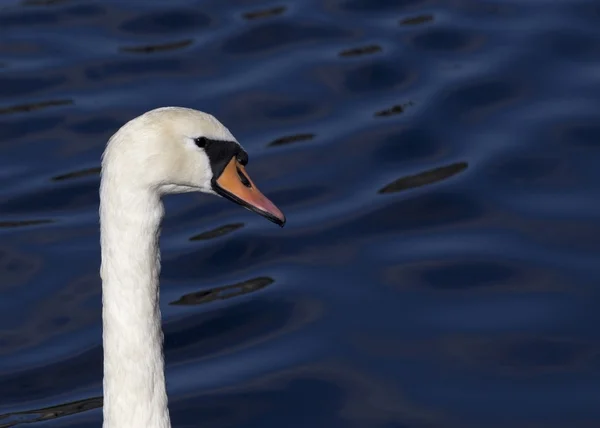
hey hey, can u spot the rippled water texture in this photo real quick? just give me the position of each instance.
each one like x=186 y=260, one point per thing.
x=438 y=162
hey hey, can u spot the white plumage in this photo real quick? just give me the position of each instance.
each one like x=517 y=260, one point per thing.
x=151 y=155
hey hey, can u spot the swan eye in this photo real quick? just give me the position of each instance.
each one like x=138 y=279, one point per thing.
x=242 y=158
x=243 y=177
x=201 y=142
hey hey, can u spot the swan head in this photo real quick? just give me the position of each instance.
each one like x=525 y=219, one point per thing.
x=176 y=150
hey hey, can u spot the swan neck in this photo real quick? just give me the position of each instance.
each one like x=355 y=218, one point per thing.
x=134 y=381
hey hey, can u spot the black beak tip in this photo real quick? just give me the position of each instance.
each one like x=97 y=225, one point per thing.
x=279 y=222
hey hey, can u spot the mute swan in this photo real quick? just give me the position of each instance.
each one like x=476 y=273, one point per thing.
x=167 y=150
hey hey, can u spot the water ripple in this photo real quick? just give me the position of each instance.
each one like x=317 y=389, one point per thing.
x=436 y=161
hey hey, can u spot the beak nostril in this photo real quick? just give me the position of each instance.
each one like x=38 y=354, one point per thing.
x=243 y=177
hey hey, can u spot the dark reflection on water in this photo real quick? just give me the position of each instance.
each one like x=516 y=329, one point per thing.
x=363 y=50
x=397 y=109
x=291 y=139
x=424 y=178
x=48 y=413
x=225 y=292
x=416 y=20
x=146 y=49
x=77 y=174
x=21 y=108
x=219 y=231
x=438 y=166
x=265 y=13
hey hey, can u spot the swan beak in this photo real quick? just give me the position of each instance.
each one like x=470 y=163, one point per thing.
x=235 y=185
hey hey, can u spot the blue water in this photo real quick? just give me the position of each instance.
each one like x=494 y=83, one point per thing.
x=438 y=163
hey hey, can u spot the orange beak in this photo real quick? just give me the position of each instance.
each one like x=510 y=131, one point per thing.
x=235 y=185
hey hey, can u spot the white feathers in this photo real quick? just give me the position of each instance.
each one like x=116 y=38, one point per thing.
x=148 y=156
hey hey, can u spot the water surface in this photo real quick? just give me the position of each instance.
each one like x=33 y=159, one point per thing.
x=438 y=164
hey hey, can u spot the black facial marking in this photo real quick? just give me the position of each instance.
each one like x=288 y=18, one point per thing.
x=220 y=153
